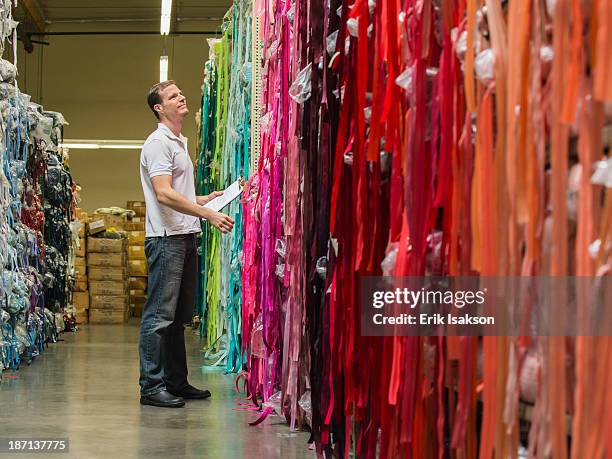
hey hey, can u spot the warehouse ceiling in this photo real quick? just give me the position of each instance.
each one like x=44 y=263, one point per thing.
x=56 y=15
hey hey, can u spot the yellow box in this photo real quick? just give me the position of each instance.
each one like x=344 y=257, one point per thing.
x=136 y=237
x=139 y=207
x=108 y=302
x=131 y=204
x=136 y=252
x=80 y=300
x=105 y=259
x=81 y=284
x=82 y=250
x=82 y=316
x=105 y=245
x=81 y=215
x=108 y=316
x=137 y=268
x=110 y=288
x=138 y=283
x=135 y=226
x=102 y=273
x=80 y=271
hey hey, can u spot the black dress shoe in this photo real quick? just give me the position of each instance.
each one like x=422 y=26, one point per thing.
x=162 y=399
x=190 y=392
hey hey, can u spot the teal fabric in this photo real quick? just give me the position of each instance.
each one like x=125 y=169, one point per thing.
x=224 y=158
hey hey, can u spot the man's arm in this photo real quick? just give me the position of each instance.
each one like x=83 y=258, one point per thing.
x=168 y=196
x=203 y=200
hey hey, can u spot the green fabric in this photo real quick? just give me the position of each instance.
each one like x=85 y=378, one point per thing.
x=224 y=157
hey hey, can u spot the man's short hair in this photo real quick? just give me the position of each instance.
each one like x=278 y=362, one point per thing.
x=154 y=96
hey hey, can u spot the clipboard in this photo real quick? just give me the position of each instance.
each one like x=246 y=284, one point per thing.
x=229 y=194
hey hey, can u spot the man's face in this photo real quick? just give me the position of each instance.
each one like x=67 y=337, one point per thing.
x=173 y=104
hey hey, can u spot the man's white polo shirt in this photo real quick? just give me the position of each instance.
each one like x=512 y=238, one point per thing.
x=164 y=153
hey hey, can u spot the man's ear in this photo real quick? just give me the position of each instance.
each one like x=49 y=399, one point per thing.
x=157 y=108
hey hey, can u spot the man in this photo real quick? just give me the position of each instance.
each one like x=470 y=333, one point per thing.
x=173 y=219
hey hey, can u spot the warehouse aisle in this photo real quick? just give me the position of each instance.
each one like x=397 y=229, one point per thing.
x=86 y=389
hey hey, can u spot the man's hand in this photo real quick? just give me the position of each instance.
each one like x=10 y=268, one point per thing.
x=203 y=200
x=220 y=221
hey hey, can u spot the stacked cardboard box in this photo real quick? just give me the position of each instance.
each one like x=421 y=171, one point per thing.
x=108 y=280
x=136 y=257
x=111 y=221
x=80 y=296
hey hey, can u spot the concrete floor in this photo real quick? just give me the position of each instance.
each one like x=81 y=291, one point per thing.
x=85 y=388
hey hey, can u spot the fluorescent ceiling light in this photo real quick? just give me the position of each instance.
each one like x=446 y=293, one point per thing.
x=163 y=68
x=102 y=144
x=166 y=16
x=80 y=146
x=120 y=147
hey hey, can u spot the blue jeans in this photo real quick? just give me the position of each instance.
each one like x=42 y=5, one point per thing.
x=172 y=264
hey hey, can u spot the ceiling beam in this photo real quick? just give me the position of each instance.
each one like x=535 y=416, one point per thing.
x=35 y=14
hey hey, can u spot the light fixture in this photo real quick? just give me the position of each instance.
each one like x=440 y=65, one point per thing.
x=80 y=146
x=102 y=144
x=166 y=16
x=163 y=68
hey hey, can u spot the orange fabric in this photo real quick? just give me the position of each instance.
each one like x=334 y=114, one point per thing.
x=559 y=261
x=603 y=63
x=470 y=83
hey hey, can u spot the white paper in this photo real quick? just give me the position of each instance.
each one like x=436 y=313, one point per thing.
x=229 y=194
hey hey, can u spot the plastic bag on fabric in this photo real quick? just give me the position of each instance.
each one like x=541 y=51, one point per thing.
x=211 y=47
x=274 y=402
x=547 y=53
x=8 y=72
x=460 y=40
x=291 y=13
x=8 y=91
x=371 y=6
x=321 y=267
x=339 y=94
x=58 y=118
x=390 y=260
x=301 y=87
x=603 y=173
x=59 y=321
x=280 y=247
x=353 y=27
x=280 y=271
x=272 y=49
x=258 y=348
x=305 y=403
x=484 y=66
x=44 y=127
x=404 y=79
x=330 y=42
x=264 y=121
x=246 y=74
